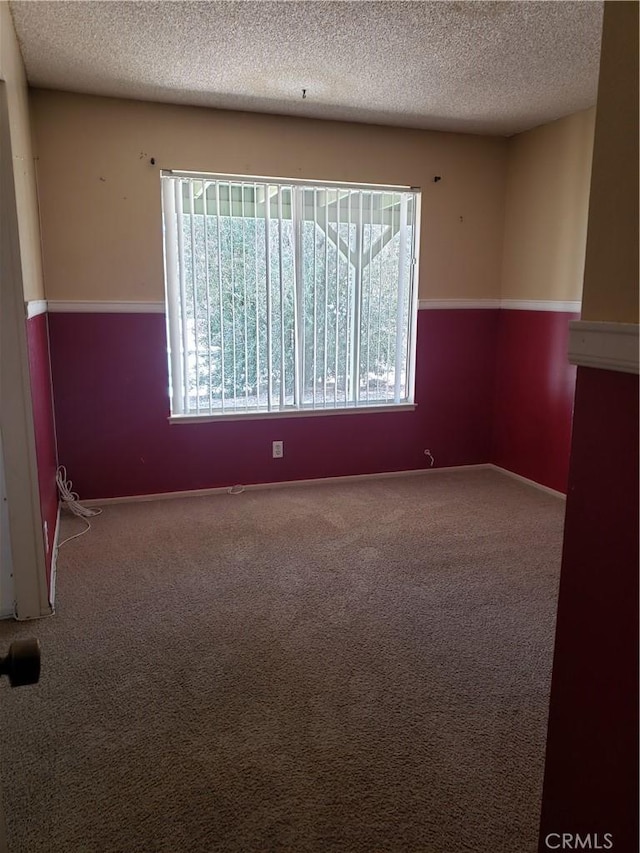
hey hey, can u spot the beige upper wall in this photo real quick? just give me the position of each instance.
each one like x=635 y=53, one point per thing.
x=12 y=72
x=100 y=197
x=546 y=210
x=611 y=274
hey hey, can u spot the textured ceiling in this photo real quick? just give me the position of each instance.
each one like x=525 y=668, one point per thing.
x=479 y=67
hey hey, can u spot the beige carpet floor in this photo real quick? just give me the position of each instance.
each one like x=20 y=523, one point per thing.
x=343 y=667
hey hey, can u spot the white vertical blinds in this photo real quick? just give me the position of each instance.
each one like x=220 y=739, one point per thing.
x=283 y=296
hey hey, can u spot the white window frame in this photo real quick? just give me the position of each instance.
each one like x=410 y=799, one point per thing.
x=175 y=285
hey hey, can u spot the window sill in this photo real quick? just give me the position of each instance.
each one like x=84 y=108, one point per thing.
x=294 y=413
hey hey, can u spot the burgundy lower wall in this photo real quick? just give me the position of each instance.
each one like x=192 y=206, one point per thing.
x=534 y=392
x=43 y=421
x=110 y=381
x=591 y=774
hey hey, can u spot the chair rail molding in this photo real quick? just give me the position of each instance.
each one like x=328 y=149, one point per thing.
x=605 y=345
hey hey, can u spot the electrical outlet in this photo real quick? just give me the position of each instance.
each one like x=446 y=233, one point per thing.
x=277 y=449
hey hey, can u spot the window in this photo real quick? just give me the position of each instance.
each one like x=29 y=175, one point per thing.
x=284 y=296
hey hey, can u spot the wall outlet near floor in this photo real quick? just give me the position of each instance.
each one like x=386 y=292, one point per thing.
x=277 y=449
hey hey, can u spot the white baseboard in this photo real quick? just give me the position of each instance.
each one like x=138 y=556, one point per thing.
x=199 y=493
x=287 y=484
x=54 y=563
x=52 y=586
x=529 y=482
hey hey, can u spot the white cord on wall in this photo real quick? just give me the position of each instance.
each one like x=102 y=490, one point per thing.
x=71 y=500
